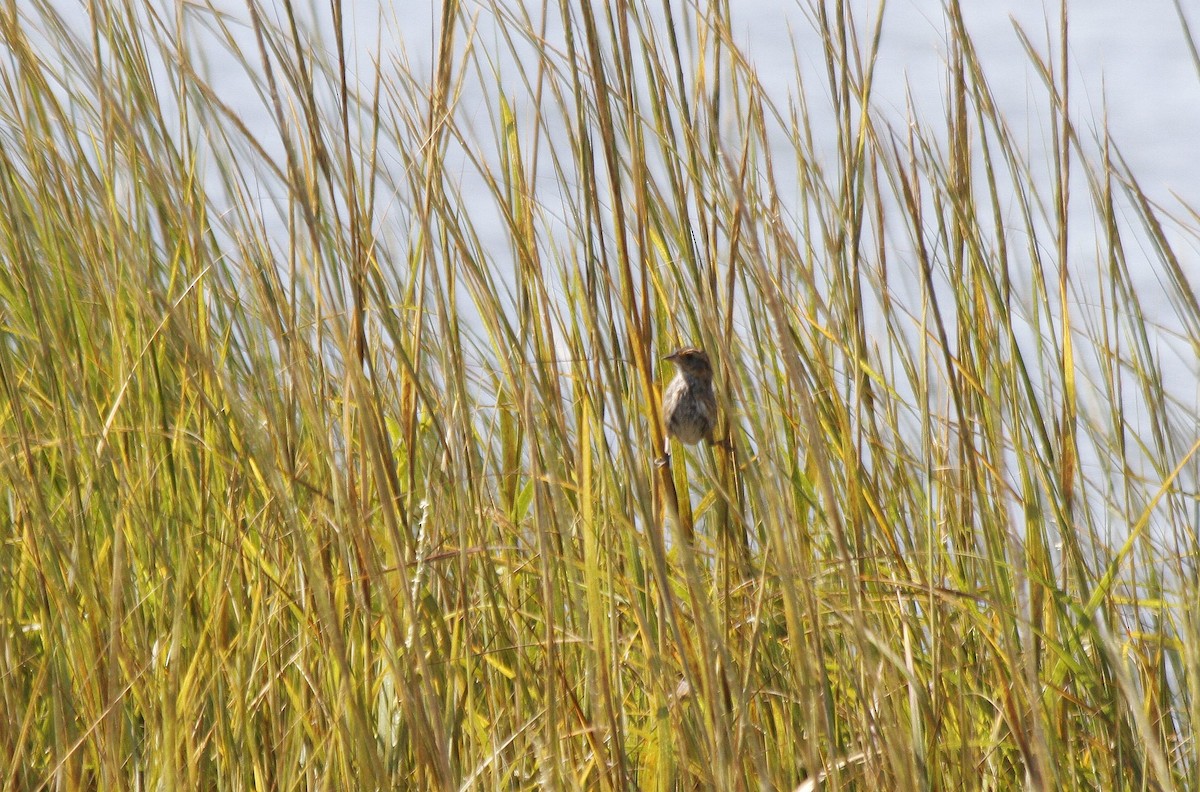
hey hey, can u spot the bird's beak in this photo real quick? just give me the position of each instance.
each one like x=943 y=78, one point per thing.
x=671 y=356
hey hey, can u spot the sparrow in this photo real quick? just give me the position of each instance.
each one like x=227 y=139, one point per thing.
x=689 y=403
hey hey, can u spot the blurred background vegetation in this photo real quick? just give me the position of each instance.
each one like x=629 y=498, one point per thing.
x=314 y=479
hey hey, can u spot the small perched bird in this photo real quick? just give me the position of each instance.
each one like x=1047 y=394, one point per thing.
x=689 y=404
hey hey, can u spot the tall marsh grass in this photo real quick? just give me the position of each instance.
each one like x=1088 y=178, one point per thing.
x=327 y=443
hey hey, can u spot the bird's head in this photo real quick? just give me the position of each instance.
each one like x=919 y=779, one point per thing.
x=692 y=361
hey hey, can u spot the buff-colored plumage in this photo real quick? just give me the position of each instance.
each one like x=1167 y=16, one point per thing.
x=689 y=404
